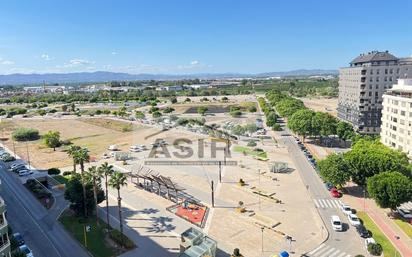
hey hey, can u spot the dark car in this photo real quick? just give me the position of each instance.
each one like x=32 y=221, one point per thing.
x=362 y=231
x=19 y=239
x=328 y=186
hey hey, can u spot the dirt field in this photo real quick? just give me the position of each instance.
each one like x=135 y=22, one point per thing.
x=96 y=135
x=328 y=105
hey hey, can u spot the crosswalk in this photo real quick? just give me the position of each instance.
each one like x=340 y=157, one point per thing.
x=327 y=203
x=325 y=250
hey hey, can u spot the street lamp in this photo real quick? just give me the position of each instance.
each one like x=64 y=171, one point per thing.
x=262 y=228
x=396 y=252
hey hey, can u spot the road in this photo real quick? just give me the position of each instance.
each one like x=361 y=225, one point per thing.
x=42 y=233
x=339 y=244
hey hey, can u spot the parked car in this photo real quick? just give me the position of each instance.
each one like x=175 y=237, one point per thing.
x=362 y=231
x=135 y=149
x=112 y=148
x=353 y=220
x=346 y=209
x=19 y=239
x=22 y=167
x=26 y=250
x=336 y=223
x=406 y=214
x=368 y=241
x=25 y=172
x=7 y=158
x=105 y=156
x=335 y=193
x=328 y=186
x=15 y=165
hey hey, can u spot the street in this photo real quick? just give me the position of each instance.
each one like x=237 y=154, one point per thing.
x=339 y=244
x=42 y=233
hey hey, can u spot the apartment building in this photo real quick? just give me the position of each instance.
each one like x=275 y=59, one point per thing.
x=362 y=84
x=4 y=238
x=396 y=131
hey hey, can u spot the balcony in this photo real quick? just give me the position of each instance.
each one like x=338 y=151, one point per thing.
x=2 y=205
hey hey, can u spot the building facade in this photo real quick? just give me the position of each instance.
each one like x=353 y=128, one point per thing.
x=4 y=237
x=396 y=129
x=362 y=84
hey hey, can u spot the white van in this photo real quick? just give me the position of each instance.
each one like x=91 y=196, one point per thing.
x=112 y=148
x=336 y=223
x=135 y=148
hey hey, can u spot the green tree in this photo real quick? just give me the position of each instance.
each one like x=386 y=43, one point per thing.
x=301 y=122
x=52 y=139
x=334 y=169
x=288 y=106
x=118 y=180
x=271 y=119
x=72 y=152
x=370 y=157
x=94 y=176
x=139 y=115
x=25 y=134
x=78 y=200
x=344 y=130
x=168 y=110
x=156 y=114
x=107 y=170
x=173 y=100
x=202 y=110
x=390 y=189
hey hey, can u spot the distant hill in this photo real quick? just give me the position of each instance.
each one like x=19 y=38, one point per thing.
x=103 y=76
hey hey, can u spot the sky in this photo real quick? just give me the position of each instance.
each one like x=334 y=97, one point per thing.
x=190 y=36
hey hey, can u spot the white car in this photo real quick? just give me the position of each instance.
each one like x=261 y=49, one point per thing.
x=336 y=223
x=353 y=220
x=368 y=241
x=135 y=149
x=25 y=172
x=112 y=148
x=26 y=250
x=346 y=209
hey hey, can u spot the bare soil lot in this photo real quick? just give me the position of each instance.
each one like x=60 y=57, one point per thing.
x=95 y=134
x=328 y=105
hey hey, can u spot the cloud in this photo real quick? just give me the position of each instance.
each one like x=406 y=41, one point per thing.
x=6 y=62
x=80 y=62
x=46 y=57
x=114 y=53
x=195 y=62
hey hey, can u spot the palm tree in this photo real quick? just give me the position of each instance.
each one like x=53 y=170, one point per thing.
x=117 y=180
x=82 y=156
x=107 y=170
x=84 y=179
x=72 y=152
x=95 y=175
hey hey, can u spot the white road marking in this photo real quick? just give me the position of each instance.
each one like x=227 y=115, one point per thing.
x=326 y=254
x=316 y=249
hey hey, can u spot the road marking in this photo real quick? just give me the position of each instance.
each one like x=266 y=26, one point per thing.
x=334 y=253
x=317 y=248
x=326 y=254
x=328 y=203
x=321 y=251
x=341 y=255
x=336 y=203
x=316 y=203
x=323 y=203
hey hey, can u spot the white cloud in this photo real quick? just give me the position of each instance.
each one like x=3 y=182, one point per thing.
x=114 y=53
x=6 y=62
x=46 y=57
x=79 y=62
x=195 y=62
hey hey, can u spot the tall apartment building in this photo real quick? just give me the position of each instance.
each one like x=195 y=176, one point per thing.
x=362 y=84
x=4 y=238
x=396 y=131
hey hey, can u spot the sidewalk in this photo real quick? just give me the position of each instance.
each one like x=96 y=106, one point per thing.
x=385 y=224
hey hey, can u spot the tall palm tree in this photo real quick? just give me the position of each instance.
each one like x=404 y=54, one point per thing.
x=95 y=176
x=117 y=180
x=84 y=179
x=72 y=152
x=107 y=170
x=82 y=156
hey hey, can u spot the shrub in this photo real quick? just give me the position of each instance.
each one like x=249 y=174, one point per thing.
x=120 y=239
x=251 y=143
x=375 y=249
x=127 y=128
x=53 y=171
x=67 y=173
x=236 y=114
x=25 y=134
x=276 y=127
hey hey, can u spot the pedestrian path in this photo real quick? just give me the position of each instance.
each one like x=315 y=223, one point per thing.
x=325 y=250
x=327 y=203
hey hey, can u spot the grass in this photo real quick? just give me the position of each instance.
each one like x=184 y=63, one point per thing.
x=405 y=226
x=96 y=243
x=250 y=151
x=117 y=125
x=62 y=179
x=377 y=234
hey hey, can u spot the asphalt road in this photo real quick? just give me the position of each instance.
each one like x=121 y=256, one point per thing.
x=42 y=233
x=343 y=243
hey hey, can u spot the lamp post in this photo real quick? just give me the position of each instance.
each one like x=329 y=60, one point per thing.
x=396 y=252
x=262 y=228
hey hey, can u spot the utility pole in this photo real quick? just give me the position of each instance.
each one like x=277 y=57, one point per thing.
x=220 y=171
x=213 y=195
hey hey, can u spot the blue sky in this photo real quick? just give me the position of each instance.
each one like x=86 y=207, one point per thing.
x=189 y=36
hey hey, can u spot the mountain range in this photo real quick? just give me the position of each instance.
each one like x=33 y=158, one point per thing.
x=104 y=76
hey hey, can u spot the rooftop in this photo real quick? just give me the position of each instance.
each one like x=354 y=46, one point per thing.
x=374 y=56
